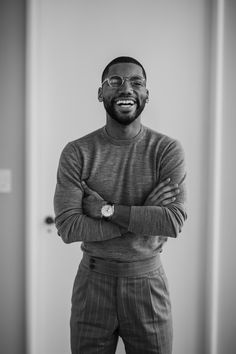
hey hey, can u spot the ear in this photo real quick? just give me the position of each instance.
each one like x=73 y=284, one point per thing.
x=100 y=95
x=147 y=97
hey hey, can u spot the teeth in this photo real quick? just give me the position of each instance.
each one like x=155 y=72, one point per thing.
x=125 y=102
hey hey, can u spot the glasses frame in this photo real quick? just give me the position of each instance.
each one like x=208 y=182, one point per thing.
x=123 y=79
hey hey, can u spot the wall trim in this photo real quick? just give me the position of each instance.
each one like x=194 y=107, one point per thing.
x=32 y=92
x=215 y=171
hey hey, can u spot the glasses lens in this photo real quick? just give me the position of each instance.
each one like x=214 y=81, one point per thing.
x=137 y=81
x=115 y=81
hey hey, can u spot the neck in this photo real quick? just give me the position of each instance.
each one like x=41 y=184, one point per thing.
x=120 y=131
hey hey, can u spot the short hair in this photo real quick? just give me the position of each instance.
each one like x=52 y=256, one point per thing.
x=122 y=60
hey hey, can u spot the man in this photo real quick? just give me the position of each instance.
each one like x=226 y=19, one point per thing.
x=120 y=190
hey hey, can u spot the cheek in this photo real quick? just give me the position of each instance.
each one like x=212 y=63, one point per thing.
x=142 y=99
x=145 y=95
x=108 y=99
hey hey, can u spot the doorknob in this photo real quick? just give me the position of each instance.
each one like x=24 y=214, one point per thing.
x=49 y=220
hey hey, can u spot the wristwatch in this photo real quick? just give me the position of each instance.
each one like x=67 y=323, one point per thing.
x=107 y=211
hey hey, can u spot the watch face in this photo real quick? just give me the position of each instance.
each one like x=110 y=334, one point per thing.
x=107 y=210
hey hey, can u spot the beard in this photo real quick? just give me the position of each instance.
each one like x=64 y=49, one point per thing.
x=123 y=118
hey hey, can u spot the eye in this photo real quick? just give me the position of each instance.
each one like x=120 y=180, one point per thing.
x=115 y=81
x=137 y=81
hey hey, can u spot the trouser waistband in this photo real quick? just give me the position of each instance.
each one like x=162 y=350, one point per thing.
x=121 y=269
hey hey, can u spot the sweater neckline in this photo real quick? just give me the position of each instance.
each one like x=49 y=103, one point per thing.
x=123 y=141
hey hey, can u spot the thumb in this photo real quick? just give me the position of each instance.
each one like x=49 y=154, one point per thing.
x=86 y=189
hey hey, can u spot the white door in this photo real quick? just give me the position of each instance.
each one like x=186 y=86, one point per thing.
x=69 y=43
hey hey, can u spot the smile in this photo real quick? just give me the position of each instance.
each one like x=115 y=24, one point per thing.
x=125 y=103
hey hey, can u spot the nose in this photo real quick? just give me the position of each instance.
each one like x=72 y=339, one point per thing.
x=126 y=87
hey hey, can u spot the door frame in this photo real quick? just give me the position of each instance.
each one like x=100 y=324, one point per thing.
x=32 y=170
x=32 y=197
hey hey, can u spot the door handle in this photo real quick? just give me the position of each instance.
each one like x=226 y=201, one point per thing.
x=49 y=220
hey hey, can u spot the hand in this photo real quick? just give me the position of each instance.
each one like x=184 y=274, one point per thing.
x=92 y=202
x=164 y=193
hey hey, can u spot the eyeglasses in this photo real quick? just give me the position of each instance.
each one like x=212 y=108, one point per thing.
x=118 y=81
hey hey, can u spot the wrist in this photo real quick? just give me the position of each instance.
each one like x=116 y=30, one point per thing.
x=121 y=215
x=107 y=211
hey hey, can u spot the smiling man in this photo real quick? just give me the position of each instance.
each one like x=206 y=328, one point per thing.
x=121 y=192
x=124 y=107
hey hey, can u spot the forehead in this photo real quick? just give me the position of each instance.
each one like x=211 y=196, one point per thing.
x=125 y=69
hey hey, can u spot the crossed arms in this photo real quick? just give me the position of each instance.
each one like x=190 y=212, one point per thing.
x=77 y=207
x=162 y=195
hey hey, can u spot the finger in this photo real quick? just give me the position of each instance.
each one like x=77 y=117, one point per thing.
x=90 y=191
x=159 y=200
x=168 y=201
x=165 y=190
x=86 y=189
x=159 y=186
x=168 y=195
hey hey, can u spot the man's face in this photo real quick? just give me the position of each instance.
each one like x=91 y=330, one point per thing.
x=125 y=103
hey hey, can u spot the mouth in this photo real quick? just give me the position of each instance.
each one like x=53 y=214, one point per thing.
x=125 y=102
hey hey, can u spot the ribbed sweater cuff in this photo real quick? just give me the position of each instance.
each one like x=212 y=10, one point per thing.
x=109 y=230
x=138 y=216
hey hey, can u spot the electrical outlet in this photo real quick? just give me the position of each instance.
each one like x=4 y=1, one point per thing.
x=5 y=181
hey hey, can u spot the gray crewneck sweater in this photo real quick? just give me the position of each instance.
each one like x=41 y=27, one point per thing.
x=123 y=172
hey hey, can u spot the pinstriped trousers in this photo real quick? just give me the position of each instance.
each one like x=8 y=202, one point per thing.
x=106 y=305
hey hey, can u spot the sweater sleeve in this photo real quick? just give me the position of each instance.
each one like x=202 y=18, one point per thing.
x=164 y=221
x=71 y=223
